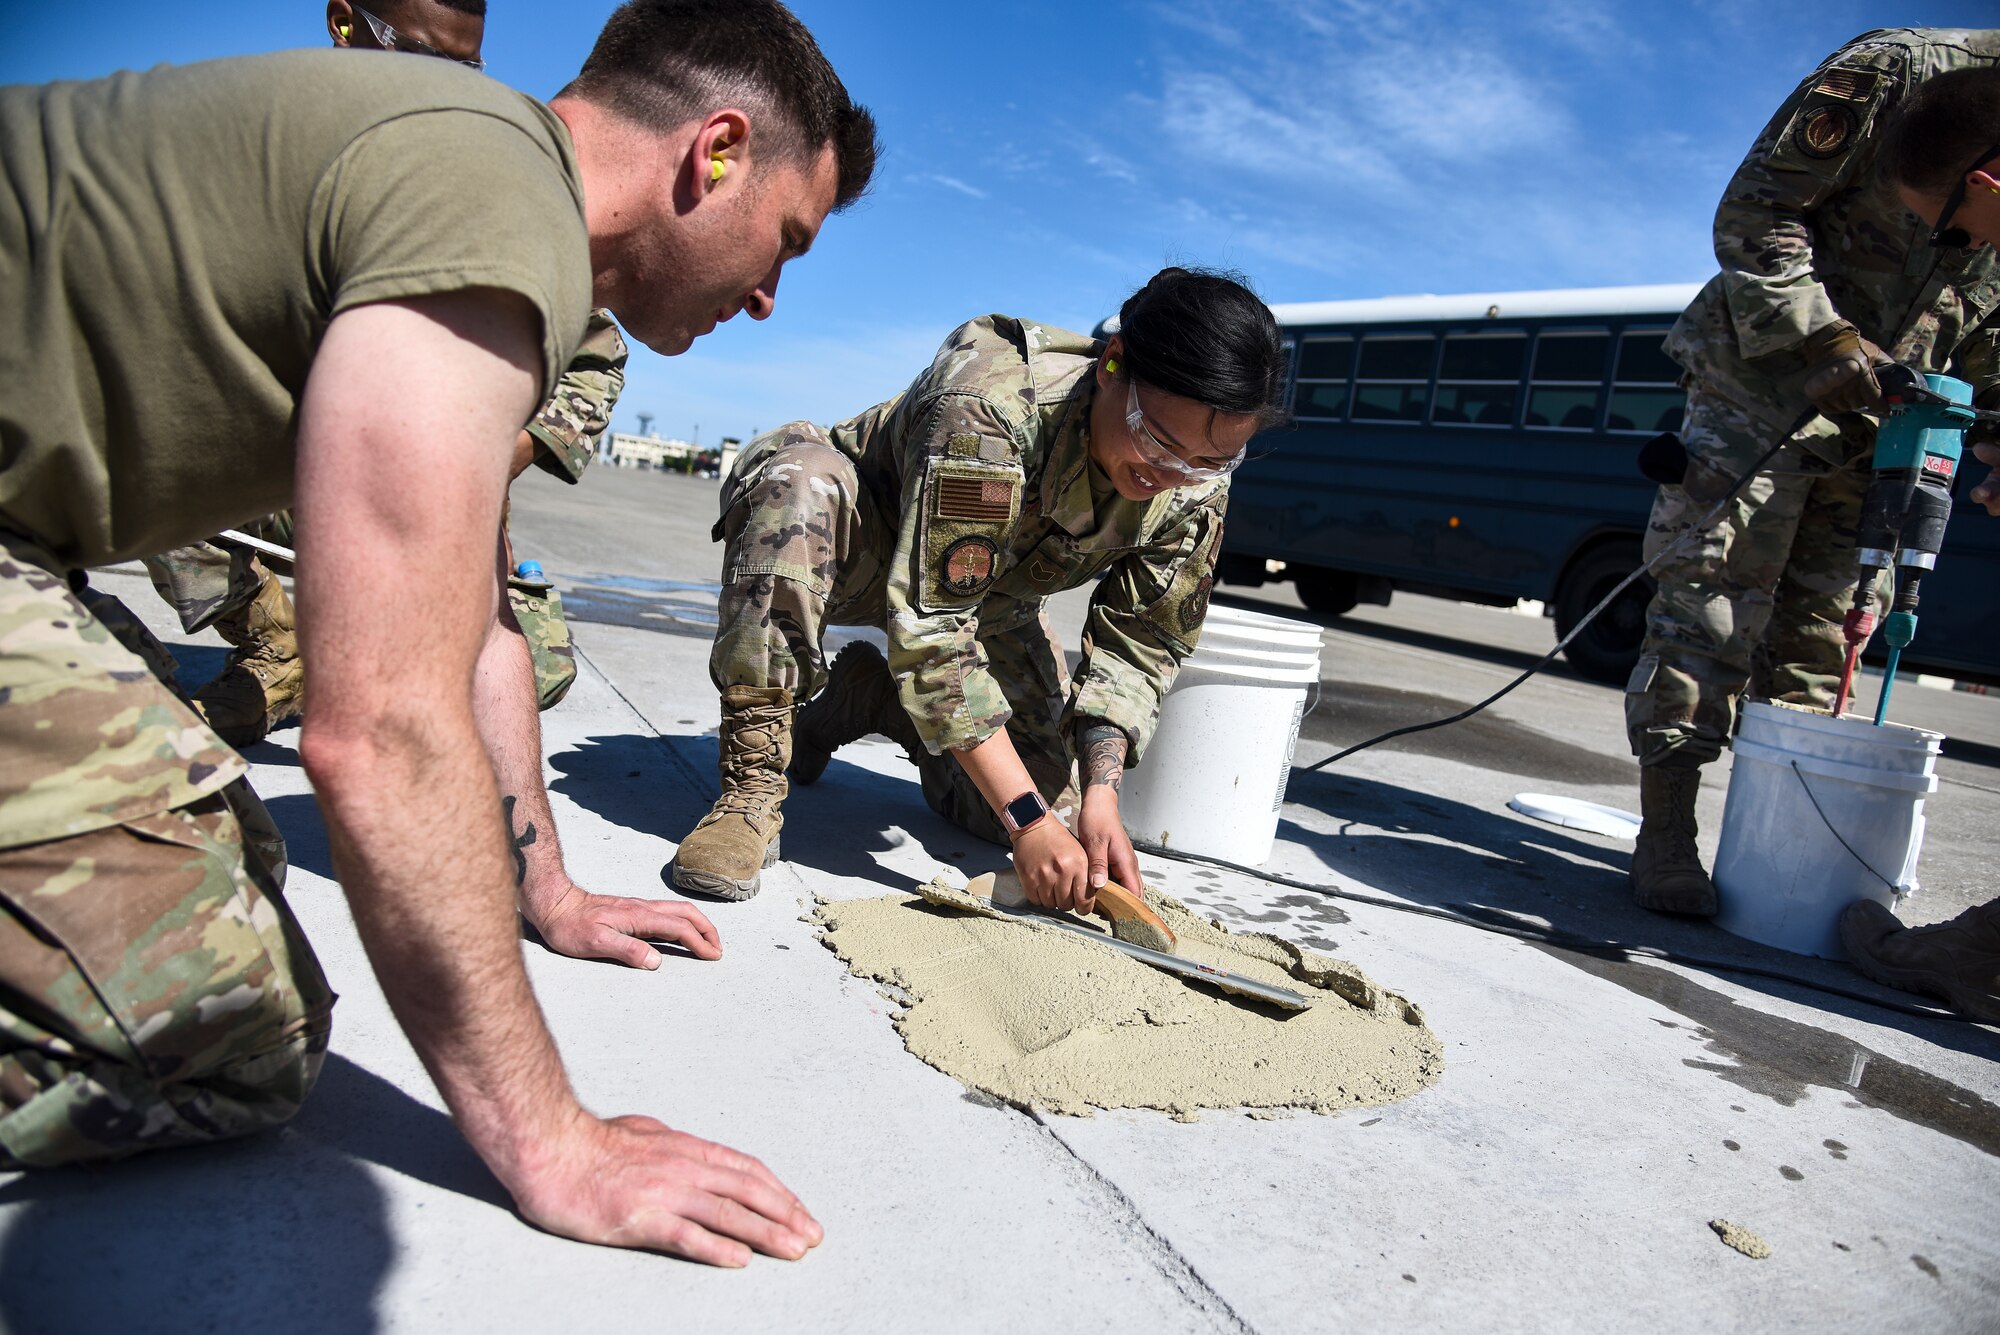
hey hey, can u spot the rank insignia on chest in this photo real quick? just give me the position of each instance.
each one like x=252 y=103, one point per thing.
x=968 y=565
x=1194 y=607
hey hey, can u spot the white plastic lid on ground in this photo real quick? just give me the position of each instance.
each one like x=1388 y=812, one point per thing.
x=1573 y=813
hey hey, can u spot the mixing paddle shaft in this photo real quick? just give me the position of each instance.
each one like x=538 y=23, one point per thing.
x=1858 y=626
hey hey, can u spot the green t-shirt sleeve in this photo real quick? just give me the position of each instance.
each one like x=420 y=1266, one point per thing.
x=440 y=201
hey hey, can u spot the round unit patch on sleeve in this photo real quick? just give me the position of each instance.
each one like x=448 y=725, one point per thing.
x=1194 y=607
x=968 y=565
x=1824 y=131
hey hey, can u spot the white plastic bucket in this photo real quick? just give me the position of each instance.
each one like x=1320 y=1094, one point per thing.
x=1214 y=778
x=1822 y=811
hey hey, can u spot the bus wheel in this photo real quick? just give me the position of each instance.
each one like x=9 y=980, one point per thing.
x=1330 y=593
x=1608 y=646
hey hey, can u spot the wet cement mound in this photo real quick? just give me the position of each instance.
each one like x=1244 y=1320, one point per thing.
x=1043 y=1019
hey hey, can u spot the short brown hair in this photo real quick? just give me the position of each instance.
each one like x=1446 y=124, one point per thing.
x=1944 y=127
x=661 y=63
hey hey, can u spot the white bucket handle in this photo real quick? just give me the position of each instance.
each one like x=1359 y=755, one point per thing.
x=1897 y=890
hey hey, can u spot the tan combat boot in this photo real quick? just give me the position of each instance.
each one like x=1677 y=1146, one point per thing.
x=859 y=698
x=727 y=852
x=264 y=682
x=1667 y=875
x=1958 y=961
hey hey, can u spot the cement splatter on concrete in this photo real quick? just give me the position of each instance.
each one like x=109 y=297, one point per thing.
x=1043 y=1019
x=1742 y=1239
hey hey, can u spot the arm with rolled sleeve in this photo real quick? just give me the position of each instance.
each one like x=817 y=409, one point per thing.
x=580 y=409
x=1145 y=618
x=934 y=652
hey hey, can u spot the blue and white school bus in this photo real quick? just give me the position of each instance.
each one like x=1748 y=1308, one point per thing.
x=1483 y=447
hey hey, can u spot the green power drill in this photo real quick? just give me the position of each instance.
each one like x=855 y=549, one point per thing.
x=1906 y=507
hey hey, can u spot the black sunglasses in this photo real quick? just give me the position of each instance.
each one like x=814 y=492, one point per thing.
x=1944 y=236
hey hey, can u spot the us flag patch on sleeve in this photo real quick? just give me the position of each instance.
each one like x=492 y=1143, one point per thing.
x=986 y=500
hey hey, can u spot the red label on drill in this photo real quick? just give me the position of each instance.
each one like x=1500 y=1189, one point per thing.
x=1937 y=463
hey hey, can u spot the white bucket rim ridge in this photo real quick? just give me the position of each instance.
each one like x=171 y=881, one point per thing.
x=1300 y=675
x=1233 y=654
x=1901 y=781
x=1263 y=635
x=1242 y=616
x=1853 y=727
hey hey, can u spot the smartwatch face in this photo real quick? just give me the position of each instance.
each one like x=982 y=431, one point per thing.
x=1026 y=809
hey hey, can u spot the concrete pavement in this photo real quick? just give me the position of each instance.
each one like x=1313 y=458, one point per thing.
x=1592 y=1117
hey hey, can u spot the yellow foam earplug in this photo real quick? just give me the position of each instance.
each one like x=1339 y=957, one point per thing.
x=1110 y=366
x=344 y=28
x=715 y=169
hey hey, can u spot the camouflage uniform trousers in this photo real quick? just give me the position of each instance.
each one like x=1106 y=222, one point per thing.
x=805 y=547
x=212 y=581
x=155 y=989
x=207 y=582
x=1756 y=601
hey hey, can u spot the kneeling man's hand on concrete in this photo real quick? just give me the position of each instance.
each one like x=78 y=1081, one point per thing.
x=636 y=1182
x=585 y=926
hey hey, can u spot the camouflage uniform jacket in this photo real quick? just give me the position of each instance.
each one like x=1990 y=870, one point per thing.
x=984 y=460
x=1810 y=232
x=568 y=425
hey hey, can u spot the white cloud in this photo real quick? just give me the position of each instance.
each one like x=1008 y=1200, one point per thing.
x=1371 y=101
x=952 y=183
x=1216 y=121
x=1455 y=105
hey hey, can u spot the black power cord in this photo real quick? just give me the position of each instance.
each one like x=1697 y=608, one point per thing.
x=1583 y=945
x=1694 y=530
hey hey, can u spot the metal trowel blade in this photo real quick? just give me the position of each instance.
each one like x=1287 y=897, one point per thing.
x=1004 y=896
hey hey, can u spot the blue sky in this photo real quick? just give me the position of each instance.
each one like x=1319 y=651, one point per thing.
x=1044 y=158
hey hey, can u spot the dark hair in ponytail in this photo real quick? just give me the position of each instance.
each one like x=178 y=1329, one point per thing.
x=1204 y=335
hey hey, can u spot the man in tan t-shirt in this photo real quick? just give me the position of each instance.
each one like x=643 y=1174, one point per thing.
x=372 y=270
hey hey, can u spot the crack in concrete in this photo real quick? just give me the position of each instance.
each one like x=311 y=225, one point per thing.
x=1165 y=1259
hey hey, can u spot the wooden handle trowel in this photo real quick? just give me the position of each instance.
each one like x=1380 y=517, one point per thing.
x=1128 y=915
x=1000 y=896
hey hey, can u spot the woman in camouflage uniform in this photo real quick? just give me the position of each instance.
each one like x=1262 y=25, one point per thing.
x=1026 y=460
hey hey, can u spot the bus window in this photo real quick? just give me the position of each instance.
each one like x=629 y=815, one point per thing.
x=1324 y=367
x=1479 y=379
x=1645 y=393
x=1568 y=381
x=1393 y=382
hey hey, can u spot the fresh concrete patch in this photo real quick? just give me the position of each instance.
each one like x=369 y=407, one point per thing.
x=1044 y=1019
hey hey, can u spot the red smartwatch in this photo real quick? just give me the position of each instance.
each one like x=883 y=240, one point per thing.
x=1024 y=812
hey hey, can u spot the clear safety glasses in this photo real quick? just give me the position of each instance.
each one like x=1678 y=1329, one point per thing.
x=391 y=40
x=1154 y=453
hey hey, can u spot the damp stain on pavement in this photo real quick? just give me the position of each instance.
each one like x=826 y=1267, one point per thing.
x=1784 y=1060
x=674 y=606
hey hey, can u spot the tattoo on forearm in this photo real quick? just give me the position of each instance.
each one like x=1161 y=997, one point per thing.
x=521 y=840
x=1101 y=753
